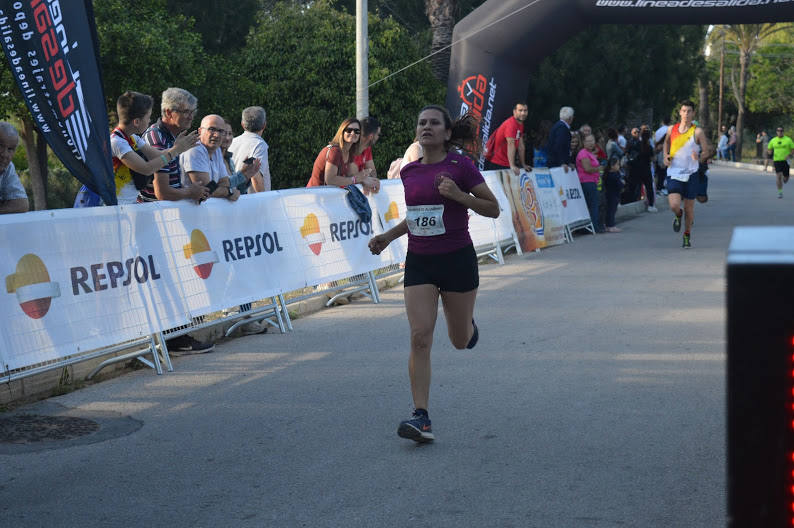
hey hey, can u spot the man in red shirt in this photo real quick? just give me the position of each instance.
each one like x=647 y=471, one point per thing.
x=508 y=139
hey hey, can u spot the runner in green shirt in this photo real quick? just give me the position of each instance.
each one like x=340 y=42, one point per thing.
x=780 y=147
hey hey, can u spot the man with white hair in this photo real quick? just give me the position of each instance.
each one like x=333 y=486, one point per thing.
x=250 y=144
x=12 y=194
x=558 y=148
x=177 y=109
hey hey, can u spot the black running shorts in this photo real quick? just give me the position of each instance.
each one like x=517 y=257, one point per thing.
x=782 y=167
x=453 y=272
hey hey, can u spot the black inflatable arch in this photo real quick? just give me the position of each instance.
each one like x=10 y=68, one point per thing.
x=499 y=42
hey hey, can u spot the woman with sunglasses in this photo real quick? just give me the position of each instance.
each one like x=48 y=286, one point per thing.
x=331 y=165
x=440 y=188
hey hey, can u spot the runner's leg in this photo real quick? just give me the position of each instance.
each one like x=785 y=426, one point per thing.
x=421 y=306
x=689 y=214
x=459 y=312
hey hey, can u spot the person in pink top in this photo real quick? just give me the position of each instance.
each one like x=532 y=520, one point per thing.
x=440 y=188
x=588 y=169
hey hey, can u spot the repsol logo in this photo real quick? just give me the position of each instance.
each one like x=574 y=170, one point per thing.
x=573 y=194
x=106 y=275
x=251 y=246
x=350 y=229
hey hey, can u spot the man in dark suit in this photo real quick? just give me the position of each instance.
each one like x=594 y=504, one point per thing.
x=559 y=146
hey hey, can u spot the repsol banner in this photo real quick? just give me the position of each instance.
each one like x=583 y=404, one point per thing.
x=80 y=279
x=51 y=47
x=496 y=46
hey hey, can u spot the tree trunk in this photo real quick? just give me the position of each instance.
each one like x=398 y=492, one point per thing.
x=744 y=60
x=440 y=13
x=703 y=104
x=36 y=149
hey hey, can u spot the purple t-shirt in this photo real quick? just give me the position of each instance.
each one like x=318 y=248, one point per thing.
x=421 y=188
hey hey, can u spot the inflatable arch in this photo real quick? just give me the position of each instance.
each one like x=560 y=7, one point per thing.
x=499 y=42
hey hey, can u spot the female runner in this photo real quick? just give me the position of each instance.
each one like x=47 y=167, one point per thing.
x=440 y=188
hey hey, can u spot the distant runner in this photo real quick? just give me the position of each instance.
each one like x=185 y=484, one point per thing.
x=780 y=147
x=685 y=147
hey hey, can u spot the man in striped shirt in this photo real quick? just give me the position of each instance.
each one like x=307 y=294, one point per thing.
x=177 y=108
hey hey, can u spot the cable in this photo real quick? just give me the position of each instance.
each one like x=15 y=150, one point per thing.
x=533 y=2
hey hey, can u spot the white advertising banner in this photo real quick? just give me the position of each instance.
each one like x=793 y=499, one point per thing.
x=331 y=240
x=79 y=279
x=548 y=194
x=227 y=253
x=574 y=207
x=503 y=224
x=389 y=206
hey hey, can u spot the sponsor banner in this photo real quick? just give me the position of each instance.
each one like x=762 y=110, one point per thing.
x=227 y=253
x=389 y=207
x=549 y=197
x=331 y=240
x=66 y=292
x=569 y=189
x=526 y=215
x=503 y=224
x=51 y=48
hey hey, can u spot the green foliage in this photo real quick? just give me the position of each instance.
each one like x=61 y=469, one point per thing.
x=146 y=48
x=304 y=60
x=607 y=72
x=222 y=25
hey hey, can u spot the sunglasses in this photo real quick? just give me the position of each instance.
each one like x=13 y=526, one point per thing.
x=356 y=131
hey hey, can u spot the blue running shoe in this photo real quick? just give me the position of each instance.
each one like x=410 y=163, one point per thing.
x=417 y=429
x=677 y=224
x=687 y=244
x=474 y=337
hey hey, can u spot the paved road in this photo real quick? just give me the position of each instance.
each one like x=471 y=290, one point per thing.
x=594 y=399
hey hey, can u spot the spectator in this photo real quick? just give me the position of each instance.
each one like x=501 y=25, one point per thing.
x=622 y=141
x=576 y=144
x=539 y=138
x=660 y=169
x=177 y=109
x=722 y=144
x=613 y=149
x=130 y=152
x=250 y=144
x=613 y=185
x=237 y=179
x=642 y=155
x=589 y=173
x=13 y=198
x=204 y=165
x=586 y=130
x=558 y=148
x=732 y=138
x=363 y=164
x=332 y=163
x=508 y=140
x=762 y=143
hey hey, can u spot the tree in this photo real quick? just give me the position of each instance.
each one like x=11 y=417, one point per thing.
x=308 y=84
x=605 y=75
x=747 y=38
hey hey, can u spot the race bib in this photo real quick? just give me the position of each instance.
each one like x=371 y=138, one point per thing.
x=425 y=220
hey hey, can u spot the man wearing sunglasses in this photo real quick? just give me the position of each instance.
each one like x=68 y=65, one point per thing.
x=780 y=148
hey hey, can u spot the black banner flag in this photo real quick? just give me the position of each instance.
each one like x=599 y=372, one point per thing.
x=52 y=51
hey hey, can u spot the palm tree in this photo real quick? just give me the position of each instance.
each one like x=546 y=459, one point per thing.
x=441 y=14
x=747 y=38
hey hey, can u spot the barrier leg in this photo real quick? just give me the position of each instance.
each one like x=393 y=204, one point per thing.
x=283 y=308
x=158 y=337
x=373 y=287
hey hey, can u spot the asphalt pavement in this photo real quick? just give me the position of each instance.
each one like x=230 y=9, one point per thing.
x=595 y=398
